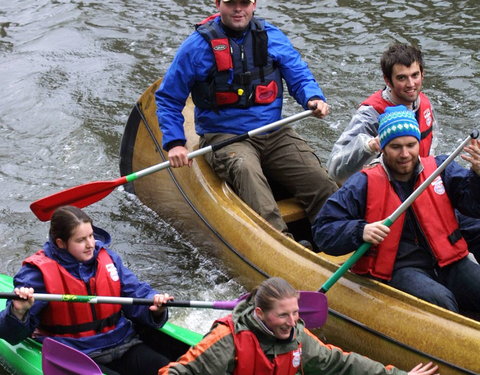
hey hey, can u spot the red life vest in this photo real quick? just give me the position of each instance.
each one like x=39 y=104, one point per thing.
x=424 y=116
x=78 y=319
x=433 y=211
x=251 y=360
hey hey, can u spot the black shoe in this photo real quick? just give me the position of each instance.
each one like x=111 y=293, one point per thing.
x=306 y=244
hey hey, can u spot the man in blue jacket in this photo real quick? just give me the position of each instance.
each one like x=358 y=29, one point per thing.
x=234 y=66
x=423 y=252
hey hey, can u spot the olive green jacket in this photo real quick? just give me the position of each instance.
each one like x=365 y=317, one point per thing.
x=215 y=354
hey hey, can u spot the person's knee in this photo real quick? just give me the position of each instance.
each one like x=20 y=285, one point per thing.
x=476 y=254
x=421 y=285
x=245 y=171
x=442 y=297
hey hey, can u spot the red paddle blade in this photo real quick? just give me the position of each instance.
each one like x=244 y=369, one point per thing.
x=60 y=359
x=79 y=196
x=313 y=308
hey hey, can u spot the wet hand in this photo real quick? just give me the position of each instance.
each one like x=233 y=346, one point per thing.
x=178 y=157
x=375 y=233
x=159 y=301
x=373 y=145
x=319 y=107
x=20 y=307
x=428 y=369
x=473 y=149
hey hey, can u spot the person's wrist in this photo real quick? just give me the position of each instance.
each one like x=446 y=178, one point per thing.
x=19 y=314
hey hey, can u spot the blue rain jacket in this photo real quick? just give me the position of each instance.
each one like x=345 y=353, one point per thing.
x=13 y=330
x=194 y=61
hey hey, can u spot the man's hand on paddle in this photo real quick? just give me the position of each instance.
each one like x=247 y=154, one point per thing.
x=178 y=157
x=319 y=107
x=375 y=233
x=474 y=158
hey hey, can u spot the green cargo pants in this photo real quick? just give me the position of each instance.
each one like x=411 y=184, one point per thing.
x=281 y=157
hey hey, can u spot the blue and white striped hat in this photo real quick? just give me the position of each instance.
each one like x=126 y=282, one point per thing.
x=395 y=122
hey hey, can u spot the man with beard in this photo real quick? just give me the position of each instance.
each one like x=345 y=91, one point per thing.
x=423 y=253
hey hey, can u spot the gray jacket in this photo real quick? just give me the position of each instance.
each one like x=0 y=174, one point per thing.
x=351 y=152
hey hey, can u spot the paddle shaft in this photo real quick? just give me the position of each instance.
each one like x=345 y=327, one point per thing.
x=395 y=215
x=219 y=145
x=313 y=305
x=221 y=305
x=86 y=194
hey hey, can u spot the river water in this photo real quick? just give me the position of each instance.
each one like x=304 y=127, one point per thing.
x=70 y=72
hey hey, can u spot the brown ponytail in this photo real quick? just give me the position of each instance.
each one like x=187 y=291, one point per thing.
x=272 y=290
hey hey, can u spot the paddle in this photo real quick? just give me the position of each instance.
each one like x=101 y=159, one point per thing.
x=313 y=305
x=61 y=359
x=395 y=215
x=91 y=192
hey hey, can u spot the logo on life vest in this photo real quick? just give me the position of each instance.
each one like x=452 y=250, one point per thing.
x=297 y=356
x=427 y=114
x=438 y=186
x=112 y=270
x=220 y=47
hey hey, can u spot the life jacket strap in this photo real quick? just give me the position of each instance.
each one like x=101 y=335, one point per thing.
x=97 y=326
x=426 y=133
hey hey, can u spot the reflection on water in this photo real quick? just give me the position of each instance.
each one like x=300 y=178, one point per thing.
x=70 y=72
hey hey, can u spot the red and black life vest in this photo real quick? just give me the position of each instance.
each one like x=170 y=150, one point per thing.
x=251 y=360
x=424 y=116
x=243 y=74
x=78 y=319
x=433 y=211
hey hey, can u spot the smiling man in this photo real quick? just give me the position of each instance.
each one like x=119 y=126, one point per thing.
x=403 y=73
x=423 y=253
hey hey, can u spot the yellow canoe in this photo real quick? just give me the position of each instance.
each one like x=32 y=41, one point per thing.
x=364 y=315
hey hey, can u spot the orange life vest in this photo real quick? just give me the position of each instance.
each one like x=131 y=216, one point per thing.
x=432 y=209
x=251 y=360
x=424 y=116
x=78 y=319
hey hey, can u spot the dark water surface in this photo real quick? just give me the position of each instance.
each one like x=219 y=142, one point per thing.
x=70 y=72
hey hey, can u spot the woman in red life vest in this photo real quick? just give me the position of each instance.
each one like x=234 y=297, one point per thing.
x=76 y=260
x=264 y=336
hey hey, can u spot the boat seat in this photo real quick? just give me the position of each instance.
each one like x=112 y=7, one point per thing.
x=290 y=210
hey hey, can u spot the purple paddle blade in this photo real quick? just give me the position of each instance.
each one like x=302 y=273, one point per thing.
x=61 y=359
x=313 y=308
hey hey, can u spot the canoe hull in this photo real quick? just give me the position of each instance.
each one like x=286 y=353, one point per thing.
x=364 y=316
